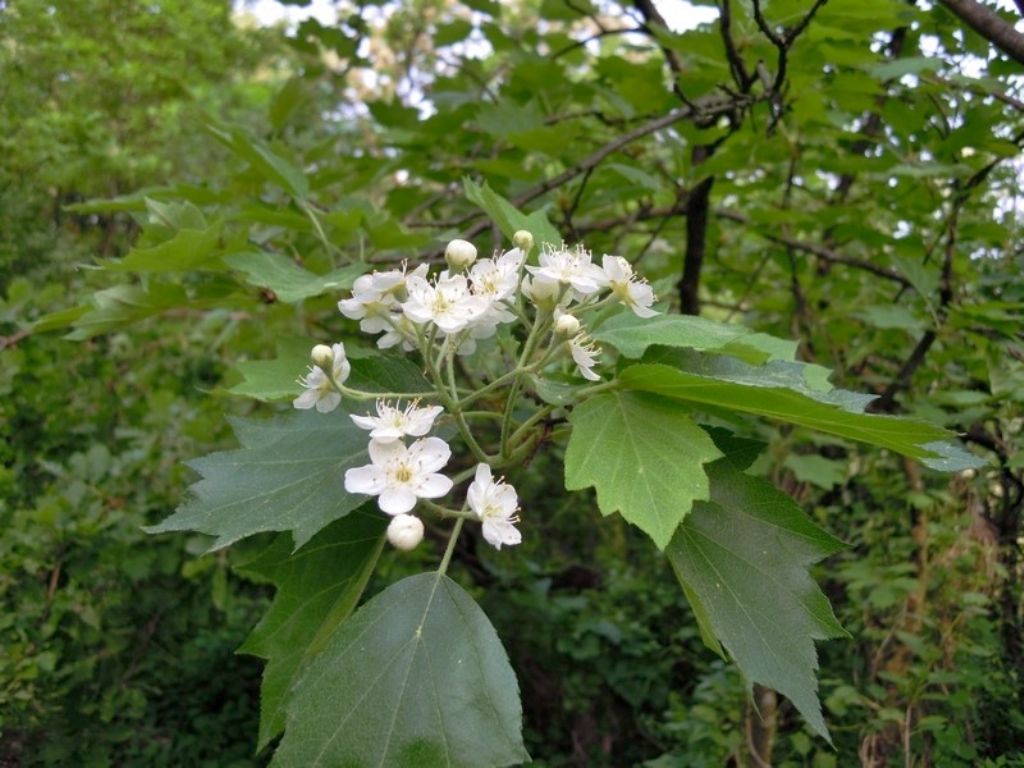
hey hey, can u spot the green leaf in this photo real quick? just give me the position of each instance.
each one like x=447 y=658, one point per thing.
x=417 y=677
x=287 y=476
x=62 y=318
x=508 y=218
x=275 y=379
x=778 y=394
x=187 y=250
x=374 y=372
x=632 y=335
x=175 y=215
x=317 y=588
x=907 y=66
x=643 y=455
x=815 y=469
x=293 y=95
x=263 y=160
x=891 y=316
x=743 y=561
x=288 y=280
x=113 y=308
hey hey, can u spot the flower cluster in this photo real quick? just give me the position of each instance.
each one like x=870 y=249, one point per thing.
x=468 y=301
x=445 y=315
x=399 y=476
x=401 y=303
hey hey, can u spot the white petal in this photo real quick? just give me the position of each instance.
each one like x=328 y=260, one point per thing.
x=342 y=368
x=506 y=497
x=483 y=475
x=307 y=399
x=396 y=500
x=433 y=486
x=498 y=532
x=642 y=311
x=421 y=420
x=328 y=402
x=381 y=453
x=386 y=434
x=365 y=422
x=375 y=323
x=417 y=312
x=368 y=479
x=431 y=453
x=354 y=309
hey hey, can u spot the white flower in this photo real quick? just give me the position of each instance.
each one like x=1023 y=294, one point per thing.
x=571 y=268
x=632 y=291
x=319 y=390
x=376 y=298
x=460 y=254
x=496 y=504
x=400 y=331
x=542 y=293
x=405 y=532
x=400 y=475
x=447 y=303
x=393 y=423
x=494 y=281
x=497 y=278
x=584 y=354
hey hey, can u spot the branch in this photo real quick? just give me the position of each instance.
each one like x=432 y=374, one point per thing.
x=643 y=213
x=979 y=90
x=989 y=25
x=702 y=108
x=822 y=252
x=739 y=70
x=653 y=17
x=696 y=237
x=784 y=41
x=887 y=402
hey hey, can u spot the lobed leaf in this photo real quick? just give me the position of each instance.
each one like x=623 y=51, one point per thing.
x=507 y=216
x=417 y=677
x=644 y=456
x=317 y=589
x=633 y=335
x=743 y=561
x=288 y=280
x=287 y=476
x=778 y=391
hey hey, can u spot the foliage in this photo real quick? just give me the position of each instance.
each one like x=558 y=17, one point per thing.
x=831 y=174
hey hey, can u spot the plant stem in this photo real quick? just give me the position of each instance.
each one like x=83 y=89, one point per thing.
x=593 y=390
x=444 y=511
x=525 y=426
x=456 y=409
x=331 y=251
x=443 y=568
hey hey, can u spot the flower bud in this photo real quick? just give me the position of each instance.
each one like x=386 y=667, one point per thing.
x=322 y=356
x=405 y=532
x=566 y=324
x=523 y=241
x=460 y=254
x=543 y=293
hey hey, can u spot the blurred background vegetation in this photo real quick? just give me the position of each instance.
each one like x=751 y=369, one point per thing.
x=860 y=194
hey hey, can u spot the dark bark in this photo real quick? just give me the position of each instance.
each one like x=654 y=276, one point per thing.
x=696 y=237
x=989 y=25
